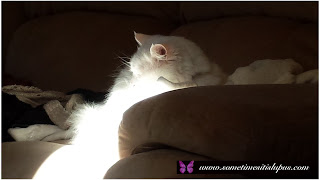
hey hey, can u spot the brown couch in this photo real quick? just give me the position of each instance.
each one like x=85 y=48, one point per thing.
x=67 y=45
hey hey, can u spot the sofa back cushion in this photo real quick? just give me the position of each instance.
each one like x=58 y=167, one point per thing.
x=77 y=49
x=60 y=49
x=237 y=42
x=200 y=11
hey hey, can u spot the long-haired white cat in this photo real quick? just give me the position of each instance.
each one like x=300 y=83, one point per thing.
x=161 y=64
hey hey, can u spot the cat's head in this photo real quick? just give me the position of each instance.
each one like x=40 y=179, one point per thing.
x=174 y=58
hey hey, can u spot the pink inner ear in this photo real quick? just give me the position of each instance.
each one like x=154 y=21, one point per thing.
x=162 y=51
x=158 y=50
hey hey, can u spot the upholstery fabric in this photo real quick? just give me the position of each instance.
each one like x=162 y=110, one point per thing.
x=199 y=11
x=63 y=46
x=253 y=122
x=237 y=42
x=76 y=50
x=168 y=11
x=161 y=163
x=82 y=49
x=21 y=160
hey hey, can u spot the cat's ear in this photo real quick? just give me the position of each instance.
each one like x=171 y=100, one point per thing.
x=158 y=51
x=141 y=38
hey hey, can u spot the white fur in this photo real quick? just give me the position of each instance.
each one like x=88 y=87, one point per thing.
x=97 y=125
x=185 y=62
x=153 y=70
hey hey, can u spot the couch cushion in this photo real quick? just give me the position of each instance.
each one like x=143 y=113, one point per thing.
x=160 y=10
x=236 y=42
x=76 y=50
x=21 y=160
x=43 y=160
x=235 y=123
x=158 y=164
x=199 y=11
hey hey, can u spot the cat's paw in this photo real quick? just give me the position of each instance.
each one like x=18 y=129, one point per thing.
x=311 y=76
x=172 y=85
x=165 y=81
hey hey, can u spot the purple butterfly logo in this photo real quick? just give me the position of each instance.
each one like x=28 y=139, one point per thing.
x=183 y=167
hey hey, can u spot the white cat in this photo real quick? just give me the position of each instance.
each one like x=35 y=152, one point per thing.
x=161 y=64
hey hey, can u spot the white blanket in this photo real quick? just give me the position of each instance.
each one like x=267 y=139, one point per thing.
x=269 y=71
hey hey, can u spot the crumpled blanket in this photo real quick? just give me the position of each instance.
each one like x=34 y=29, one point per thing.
x=268 y=71
x=33 y=95
x=59 y=106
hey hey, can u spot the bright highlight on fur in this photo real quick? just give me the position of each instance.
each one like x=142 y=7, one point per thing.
x=161 y=64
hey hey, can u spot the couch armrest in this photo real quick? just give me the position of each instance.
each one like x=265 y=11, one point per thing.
x=21 y=160
x=232 y=123
x=160 y=163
